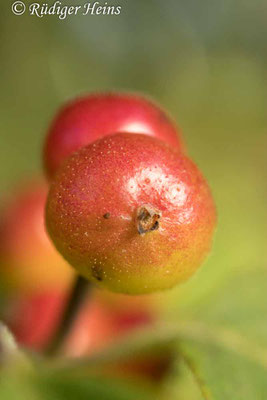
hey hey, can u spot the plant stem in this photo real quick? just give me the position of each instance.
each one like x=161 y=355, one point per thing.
x=80 y=288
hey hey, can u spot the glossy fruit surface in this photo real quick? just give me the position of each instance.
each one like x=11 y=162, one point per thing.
x=28 y=259
x=131 y=214
x=89 y=118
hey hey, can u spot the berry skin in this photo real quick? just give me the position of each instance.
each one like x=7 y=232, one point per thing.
x=28 y=260
x=102 y=319
x=33 y=318
x=105 y=317
x=89 y=118
x=130 y=214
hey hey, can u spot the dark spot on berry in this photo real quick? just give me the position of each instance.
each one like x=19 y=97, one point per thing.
x=107 y=215
x=97 y=273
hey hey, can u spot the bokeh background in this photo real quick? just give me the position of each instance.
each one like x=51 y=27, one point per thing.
x=205 y=62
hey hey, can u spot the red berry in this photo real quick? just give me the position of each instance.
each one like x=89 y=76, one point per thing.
x=131 y=214
x=89 y=118
x=33 y=318
x=28 y=260
x=105 y=317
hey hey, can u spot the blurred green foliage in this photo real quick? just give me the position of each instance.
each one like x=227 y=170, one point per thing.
x=206 y=63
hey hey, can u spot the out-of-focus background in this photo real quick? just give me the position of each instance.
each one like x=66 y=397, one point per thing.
x=205 y=62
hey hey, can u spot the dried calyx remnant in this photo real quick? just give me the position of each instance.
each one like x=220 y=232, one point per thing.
x=147 y=219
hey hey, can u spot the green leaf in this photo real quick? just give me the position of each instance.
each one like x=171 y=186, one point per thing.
x=42 y=385
x=17 y=387
x=86 y=387
x=227 y=351
x=222 y=342
x=240 y=304
x=222 y=373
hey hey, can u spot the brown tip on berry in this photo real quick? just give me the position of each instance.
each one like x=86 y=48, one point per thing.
x=147 y=219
